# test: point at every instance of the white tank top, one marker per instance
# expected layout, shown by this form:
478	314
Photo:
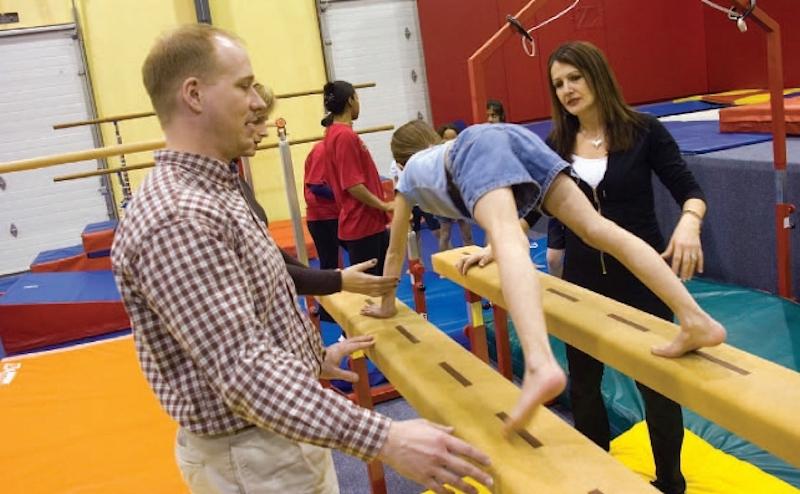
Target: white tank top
590	170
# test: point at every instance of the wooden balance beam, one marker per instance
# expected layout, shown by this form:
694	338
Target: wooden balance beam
749	396
447	384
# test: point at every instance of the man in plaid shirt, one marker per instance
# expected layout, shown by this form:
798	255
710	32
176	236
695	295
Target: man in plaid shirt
218	330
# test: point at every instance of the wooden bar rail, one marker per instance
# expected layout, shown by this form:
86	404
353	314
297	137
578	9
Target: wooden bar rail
76	156
132	116
150	164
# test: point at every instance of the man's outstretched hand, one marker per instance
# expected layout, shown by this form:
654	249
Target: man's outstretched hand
336	352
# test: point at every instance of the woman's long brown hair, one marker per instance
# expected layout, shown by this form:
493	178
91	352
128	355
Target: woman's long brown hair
621	122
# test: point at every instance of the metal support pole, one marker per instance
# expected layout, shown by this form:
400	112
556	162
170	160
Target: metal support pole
476	69
291	192
124	181
203	11
783	209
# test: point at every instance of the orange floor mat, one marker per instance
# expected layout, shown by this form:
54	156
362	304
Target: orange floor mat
283	233
83	420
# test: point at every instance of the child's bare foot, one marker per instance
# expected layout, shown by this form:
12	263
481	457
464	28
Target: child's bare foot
539	386
697	332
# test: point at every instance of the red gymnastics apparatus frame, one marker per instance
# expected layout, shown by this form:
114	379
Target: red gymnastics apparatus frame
783	210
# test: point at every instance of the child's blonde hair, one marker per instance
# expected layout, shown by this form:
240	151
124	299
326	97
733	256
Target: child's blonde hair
265	92
411	138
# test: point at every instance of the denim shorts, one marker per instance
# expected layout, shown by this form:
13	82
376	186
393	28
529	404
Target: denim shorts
492	156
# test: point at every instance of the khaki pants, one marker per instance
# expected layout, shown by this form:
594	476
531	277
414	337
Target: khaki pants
254	461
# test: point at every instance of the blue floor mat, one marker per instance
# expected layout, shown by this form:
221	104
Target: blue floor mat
667	108
703	136
698	137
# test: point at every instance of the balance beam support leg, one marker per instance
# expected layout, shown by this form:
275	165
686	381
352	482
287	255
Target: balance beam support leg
502	343
358	364
477	327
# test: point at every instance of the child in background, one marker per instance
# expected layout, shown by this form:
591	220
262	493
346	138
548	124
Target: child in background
448	132
495	113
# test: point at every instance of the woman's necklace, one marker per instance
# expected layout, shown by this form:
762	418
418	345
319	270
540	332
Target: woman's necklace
597	141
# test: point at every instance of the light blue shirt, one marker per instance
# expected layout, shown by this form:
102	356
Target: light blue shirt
423	182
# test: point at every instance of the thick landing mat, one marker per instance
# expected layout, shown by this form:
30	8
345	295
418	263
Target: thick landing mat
758	118
667	108
98	237
283	234
69	259
42	309
84	420
745	96
707	469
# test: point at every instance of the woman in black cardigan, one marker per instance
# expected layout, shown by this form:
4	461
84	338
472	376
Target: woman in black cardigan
614	151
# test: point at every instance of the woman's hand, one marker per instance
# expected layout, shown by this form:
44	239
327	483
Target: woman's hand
355	280
481	258
685	249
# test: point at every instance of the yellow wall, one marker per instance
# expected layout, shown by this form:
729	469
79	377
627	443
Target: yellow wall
34	13
283	39
117	35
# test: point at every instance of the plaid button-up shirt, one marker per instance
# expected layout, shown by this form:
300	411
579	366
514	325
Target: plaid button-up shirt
218	329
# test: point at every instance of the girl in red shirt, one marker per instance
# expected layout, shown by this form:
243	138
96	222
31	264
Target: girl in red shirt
354	179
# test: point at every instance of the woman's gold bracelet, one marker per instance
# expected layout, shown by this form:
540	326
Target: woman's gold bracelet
695	214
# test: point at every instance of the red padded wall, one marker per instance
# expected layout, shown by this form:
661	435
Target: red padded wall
659	49
451	31
656	48
739	60
585	22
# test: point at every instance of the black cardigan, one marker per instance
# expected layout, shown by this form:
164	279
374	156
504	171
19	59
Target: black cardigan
625	196
307	281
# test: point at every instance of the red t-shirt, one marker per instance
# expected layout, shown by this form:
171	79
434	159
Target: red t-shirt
349	164
317	208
